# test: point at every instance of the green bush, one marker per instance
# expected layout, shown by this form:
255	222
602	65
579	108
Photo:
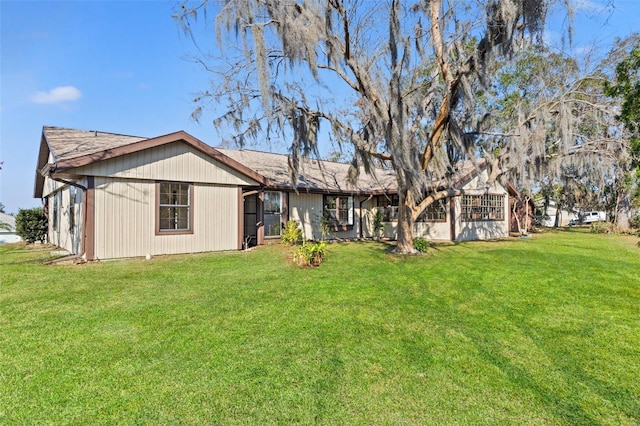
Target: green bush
327	225
291	233
420	244
378	225
635	222
310	254
31	225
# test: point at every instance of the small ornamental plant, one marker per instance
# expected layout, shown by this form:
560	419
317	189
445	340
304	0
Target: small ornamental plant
292	234
421	244
310	254
378	225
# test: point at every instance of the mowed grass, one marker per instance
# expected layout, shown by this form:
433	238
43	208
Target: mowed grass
540	331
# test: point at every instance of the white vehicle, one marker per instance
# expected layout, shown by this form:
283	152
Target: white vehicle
590	217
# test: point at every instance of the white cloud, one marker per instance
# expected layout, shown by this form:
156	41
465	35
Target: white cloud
57	95
589	6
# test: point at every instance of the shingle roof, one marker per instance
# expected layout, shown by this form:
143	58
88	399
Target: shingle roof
72	148
70	143
314	175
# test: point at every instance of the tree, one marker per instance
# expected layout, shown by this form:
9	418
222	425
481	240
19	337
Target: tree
412	74
626	88
2	208
31	224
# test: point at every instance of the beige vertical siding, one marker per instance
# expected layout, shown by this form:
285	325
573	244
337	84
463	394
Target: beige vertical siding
172	162
367	213
50	186
125	214
429	230
306	209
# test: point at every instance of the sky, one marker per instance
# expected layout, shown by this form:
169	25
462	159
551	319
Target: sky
123	67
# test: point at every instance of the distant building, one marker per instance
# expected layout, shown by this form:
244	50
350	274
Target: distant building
564	216
8	229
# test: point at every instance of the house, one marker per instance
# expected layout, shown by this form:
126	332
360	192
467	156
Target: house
113	196
554	216
8	229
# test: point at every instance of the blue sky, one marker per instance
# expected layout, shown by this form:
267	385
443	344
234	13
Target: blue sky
120	66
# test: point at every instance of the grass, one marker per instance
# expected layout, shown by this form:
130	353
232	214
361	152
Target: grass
540	331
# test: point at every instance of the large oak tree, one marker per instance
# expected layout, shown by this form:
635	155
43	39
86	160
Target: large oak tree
397	83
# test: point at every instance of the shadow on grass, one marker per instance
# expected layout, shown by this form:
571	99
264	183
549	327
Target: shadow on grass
24	254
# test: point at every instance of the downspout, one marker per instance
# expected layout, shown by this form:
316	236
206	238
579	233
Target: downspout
82	250
361	203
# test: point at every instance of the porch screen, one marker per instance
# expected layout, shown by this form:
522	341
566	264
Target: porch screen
482	207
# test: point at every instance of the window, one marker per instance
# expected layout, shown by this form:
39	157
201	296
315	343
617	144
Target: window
388	204
435	212
272	214
72	208
174	207
339	209
55	215
482	207
389	207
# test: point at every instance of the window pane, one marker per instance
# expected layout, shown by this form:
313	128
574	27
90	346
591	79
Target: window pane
174	218
272	202
340	209
483	207
272	226
434	212
174	194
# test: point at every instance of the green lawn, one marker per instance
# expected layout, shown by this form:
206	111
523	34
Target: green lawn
539	331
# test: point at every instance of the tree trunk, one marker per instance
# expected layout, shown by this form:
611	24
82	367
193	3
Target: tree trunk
514	210
405	222
623	211
558	216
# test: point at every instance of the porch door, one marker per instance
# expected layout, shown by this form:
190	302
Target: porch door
251	220
272	214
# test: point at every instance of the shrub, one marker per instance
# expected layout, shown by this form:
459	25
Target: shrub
420	244
327	225
31	225
378	224
635	222
291	234
310	254
604	228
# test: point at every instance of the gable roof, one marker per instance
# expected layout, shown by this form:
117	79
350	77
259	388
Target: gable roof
314	175
70	148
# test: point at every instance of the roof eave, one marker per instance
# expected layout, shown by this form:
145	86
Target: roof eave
43	160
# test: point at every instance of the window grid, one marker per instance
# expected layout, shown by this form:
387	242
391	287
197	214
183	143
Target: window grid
339	209
435	212
482	207
174	207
